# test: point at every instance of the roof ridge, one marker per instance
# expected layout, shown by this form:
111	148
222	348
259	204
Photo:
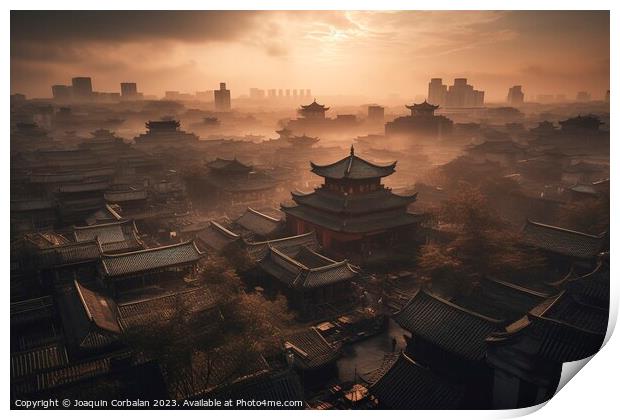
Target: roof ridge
517	287
459	308
102	225
258	213
292	260
225	231
84	305
561	229
141	251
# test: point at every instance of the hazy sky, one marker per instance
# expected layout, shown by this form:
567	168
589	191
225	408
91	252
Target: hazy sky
331	52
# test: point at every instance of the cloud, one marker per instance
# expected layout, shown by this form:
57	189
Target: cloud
118	26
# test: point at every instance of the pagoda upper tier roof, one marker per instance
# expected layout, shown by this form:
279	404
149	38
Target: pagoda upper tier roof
314	106
335	202
424	105
353	167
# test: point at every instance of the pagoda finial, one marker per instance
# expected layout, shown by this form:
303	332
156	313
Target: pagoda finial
352	150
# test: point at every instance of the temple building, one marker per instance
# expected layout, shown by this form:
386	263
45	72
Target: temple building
313	111
314	284
164	134
232	185
352	212
422	122
139	269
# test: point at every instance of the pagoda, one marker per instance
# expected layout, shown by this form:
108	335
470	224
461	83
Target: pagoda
313	111
352	212
422	121
424	109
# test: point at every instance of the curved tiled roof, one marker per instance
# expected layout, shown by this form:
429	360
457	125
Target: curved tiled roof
353	167
106	232
446	325
310	350
216	236
149	259
294	273
562	241
406	385
290	244
258	223
330	201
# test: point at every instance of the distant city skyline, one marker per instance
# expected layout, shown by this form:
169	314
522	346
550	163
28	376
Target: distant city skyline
371	54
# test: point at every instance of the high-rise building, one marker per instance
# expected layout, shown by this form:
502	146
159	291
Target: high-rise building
515	95
222	98
584	96
82	87
437	92
256	93
129	90
308	93
271	93
462	94
61	92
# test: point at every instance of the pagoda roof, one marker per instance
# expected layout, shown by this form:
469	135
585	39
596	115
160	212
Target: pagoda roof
258	223
353	167
310	350
288	269
229	165
371	222
422	106
380	200
448	326
562	241
314	106
150	259
406	385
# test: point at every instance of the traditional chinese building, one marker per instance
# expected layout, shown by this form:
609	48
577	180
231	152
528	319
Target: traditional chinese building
313	111
138	269
164	134
422	121
352	212
233	185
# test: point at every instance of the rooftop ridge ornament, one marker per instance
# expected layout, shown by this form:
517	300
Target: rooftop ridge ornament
352	150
